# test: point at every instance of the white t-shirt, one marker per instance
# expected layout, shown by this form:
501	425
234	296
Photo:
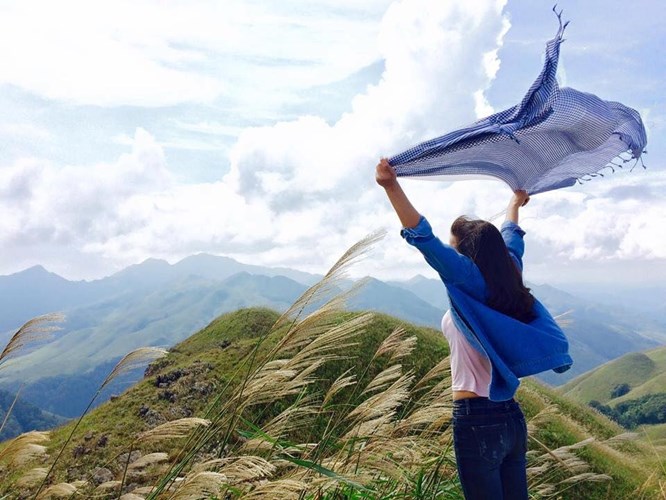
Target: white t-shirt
470	370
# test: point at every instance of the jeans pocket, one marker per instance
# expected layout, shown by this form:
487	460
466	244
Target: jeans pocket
491	441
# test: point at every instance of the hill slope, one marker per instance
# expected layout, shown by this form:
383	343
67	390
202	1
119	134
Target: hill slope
643	372
24	417
203	376
62	375
156	303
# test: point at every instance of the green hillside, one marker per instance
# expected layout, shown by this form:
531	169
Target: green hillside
107	330
23	416
655	435
333	405
643	372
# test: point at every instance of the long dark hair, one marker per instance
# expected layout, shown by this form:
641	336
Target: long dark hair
483	243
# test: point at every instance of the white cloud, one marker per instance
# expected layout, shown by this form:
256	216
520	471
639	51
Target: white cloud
96	54
25	131
69	206
619	217
158	53
436	57
300	192
209	128
434	53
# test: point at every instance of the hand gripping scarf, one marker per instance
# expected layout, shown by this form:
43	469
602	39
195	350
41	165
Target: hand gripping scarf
553	138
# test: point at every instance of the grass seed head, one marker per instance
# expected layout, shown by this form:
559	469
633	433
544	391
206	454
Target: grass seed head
134	359
172	430
284	489
150	459
25	447
340	383
383	379
397	345
33	332
199	485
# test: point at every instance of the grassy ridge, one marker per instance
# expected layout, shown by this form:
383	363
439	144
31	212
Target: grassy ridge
644	372
205	367
206	362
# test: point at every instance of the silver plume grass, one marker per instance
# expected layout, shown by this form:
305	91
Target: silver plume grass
240	468
25	447
397	345
587	476
441	369
621	438
200	485
295	417
134	359
333	340
338	384
334	275
384	403
172	430
284	489
33	332
280	378
312	327
383	379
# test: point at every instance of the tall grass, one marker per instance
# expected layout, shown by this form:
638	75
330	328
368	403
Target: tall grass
270	434
31	334
388	439
34	332
130	361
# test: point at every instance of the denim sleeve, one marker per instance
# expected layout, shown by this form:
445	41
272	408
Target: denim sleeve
451	266
513	238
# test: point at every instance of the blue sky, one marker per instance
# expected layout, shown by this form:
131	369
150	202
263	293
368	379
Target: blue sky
251	129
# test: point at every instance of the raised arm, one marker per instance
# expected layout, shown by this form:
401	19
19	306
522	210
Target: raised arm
386	178
511	231
519	199
451	266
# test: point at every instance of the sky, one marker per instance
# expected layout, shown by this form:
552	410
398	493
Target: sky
251	128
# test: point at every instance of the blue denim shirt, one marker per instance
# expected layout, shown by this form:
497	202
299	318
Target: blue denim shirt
515	349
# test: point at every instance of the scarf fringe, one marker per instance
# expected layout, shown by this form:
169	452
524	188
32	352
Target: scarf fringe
612	166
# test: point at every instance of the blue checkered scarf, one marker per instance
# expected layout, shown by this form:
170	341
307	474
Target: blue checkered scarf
553	138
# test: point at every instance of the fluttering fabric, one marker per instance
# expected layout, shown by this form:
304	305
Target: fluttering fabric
552	139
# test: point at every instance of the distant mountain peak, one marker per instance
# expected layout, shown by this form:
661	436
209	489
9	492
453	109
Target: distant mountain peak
152	261
419	278
35	270
205	257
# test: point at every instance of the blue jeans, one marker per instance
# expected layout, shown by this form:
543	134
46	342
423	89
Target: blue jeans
490	441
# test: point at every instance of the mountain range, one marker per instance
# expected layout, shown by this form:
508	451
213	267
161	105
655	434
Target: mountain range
158	304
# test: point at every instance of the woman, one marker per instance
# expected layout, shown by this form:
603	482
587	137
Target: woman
497	332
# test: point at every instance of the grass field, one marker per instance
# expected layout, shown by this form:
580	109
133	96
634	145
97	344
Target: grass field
330	405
